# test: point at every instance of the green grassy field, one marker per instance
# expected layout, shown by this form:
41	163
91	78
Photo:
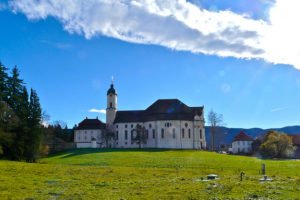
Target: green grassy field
147	174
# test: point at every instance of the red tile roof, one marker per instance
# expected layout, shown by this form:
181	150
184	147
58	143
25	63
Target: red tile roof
296	139
91	124
242	137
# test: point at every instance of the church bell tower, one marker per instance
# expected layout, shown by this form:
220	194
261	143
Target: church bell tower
111	109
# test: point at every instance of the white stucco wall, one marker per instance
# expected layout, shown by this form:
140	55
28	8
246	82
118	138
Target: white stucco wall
83	138
173	136
242	146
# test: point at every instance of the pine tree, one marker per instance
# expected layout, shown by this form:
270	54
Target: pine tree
23	132
35	109
3	82
20	117
35	116
17	99
8	124
15	90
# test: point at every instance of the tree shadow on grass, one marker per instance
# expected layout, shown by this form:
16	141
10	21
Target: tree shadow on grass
83	151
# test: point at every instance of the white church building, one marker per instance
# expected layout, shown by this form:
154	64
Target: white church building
242	143
168	123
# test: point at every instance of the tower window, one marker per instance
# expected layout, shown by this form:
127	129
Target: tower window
200	133
125	125
110	104
150	125
131	125
189	133
182	132
162	133
186	124
117	135
153	133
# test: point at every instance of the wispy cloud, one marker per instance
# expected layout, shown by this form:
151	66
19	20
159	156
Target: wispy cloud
278	109
3	6
58	45
226	88
179	25
101	111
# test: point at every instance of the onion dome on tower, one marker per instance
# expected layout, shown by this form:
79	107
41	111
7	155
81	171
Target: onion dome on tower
111	90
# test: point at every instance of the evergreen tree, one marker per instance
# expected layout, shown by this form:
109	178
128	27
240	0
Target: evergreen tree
15	90
8	124
20	117
3	82
23	131
35	117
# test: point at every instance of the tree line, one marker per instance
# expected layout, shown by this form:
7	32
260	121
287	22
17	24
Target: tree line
20	118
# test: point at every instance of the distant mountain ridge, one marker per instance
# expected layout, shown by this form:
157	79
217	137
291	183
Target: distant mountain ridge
227	134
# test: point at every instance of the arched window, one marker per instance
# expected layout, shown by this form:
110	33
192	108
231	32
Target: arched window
125	125
126	135
153	133
150	125
162	133
174	133
186	124
182	133
189	133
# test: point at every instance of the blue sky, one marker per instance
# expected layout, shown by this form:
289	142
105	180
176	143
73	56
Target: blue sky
70	63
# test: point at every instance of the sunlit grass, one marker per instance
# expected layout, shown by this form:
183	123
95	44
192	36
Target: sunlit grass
147	174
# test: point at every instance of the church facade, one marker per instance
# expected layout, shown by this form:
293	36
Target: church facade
167	123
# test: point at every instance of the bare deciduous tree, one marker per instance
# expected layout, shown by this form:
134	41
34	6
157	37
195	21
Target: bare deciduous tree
107	136
139	134
215	120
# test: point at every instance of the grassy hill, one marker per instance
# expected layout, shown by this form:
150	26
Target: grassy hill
147	174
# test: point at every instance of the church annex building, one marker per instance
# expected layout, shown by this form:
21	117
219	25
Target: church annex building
168	123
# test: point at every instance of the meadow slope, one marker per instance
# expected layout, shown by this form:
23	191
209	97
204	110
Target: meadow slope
147	174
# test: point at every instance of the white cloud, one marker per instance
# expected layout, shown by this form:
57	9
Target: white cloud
226	88
58	45
101	111
179	25
278	109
